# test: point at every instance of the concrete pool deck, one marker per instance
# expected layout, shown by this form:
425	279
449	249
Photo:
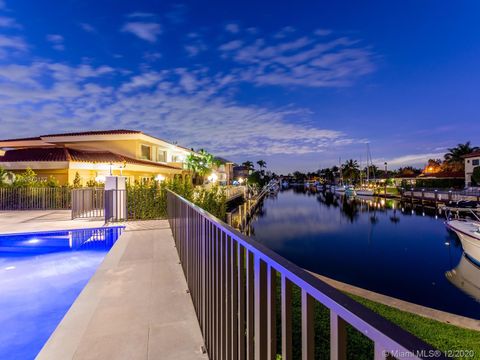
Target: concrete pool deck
43	220
135	306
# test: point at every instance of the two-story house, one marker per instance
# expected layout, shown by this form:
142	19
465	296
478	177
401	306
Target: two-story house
471	161
94	155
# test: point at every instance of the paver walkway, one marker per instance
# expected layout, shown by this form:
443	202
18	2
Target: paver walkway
134	307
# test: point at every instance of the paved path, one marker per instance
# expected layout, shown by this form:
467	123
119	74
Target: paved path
134	307
42	220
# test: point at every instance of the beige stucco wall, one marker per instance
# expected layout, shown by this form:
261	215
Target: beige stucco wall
469	169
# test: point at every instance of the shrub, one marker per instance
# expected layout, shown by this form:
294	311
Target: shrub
149	201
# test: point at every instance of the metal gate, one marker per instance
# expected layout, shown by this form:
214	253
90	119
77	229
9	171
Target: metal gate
88	203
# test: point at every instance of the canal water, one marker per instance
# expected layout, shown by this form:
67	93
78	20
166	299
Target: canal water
372	243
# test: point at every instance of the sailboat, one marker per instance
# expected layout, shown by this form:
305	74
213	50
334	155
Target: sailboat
364	189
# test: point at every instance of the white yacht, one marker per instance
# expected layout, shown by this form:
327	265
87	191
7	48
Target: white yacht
364	191
469	233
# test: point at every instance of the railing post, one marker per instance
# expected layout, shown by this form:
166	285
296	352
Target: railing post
338	337
272	313
308	330
261	315
286	318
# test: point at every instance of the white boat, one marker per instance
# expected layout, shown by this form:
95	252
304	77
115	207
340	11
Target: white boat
469	234
339	189
364	192
466	277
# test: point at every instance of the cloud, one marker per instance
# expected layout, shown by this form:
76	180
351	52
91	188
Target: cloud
147	31
11	45
231	45
140	14
7	22
178	104
232	28
411	159
300	61
87	27
57	41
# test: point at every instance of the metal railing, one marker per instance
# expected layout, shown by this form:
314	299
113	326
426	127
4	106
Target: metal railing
233	282
88	203
26	198
440	195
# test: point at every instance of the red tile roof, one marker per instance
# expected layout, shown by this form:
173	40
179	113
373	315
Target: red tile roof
473	154
64	154
34	154
444	175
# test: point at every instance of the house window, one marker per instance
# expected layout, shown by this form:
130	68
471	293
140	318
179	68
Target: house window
475	162
146	152
162	156
176	158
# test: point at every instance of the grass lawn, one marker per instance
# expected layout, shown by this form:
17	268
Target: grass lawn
442	336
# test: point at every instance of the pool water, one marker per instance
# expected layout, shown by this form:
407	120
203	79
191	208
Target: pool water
41	275
377	244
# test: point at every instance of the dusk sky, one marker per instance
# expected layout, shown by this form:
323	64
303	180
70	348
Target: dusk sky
298	84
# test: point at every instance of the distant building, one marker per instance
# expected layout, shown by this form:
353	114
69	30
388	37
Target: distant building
93	155
224	171
471	161
240	172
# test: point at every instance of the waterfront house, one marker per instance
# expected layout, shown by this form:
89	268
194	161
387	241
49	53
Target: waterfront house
223	168
241	172
94	155
471	162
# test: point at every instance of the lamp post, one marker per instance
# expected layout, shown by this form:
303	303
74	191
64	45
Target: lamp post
386	177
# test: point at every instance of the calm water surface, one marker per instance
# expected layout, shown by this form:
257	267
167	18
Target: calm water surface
41	275
373	244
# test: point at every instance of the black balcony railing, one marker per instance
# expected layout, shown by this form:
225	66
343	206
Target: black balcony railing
233	283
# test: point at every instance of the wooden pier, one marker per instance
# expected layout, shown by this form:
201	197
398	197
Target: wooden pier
437	197
240	217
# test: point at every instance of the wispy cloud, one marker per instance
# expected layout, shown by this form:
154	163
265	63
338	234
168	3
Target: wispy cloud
10	45
411	159
232	28
304	61
57	41
8	22
87	27
178	104
148	31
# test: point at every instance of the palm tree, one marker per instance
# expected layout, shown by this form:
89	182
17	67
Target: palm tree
262	164
350	169
248	165
455	155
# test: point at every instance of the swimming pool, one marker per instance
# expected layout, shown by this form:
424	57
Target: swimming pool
41	275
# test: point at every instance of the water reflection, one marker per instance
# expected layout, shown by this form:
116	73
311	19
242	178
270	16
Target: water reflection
466	277
374	243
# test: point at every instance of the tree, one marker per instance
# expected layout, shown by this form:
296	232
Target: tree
77	181
200	163
262	164
248	165
350	170
476	175
455	154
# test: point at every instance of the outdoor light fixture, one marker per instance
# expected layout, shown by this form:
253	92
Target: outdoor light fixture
159	178
100	178
213	177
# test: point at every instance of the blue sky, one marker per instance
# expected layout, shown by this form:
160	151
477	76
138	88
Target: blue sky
298	84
